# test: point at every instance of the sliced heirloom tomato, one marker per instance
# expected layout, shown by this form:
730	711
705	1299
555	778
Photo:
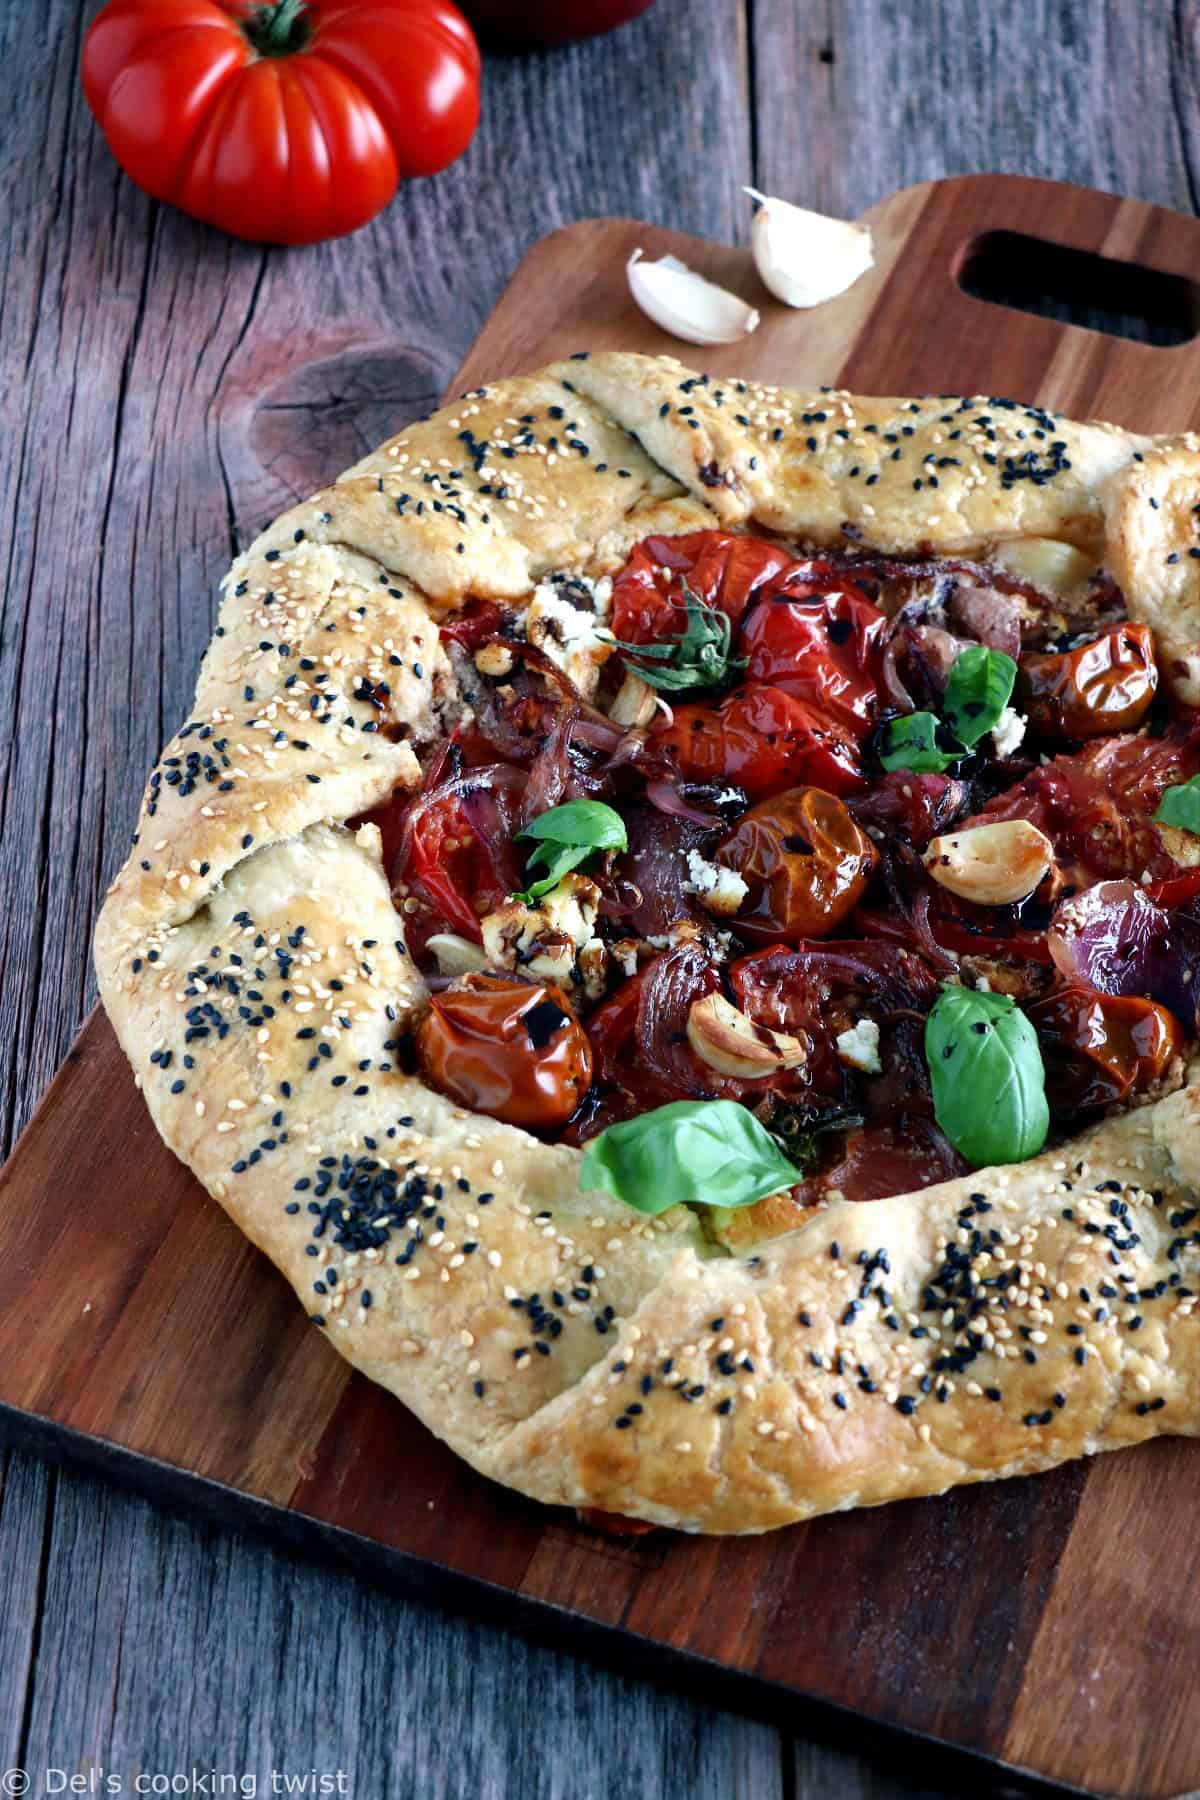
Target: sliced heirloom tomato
1103	686
1101	1049
820	641
1097	805
824	988
762	740
805	862
450	846
510	1048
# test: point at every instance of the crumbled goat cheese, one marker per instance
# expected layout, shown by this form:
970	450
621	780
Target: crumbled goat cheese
568	636
553	940
1008	731
860	1047
721	890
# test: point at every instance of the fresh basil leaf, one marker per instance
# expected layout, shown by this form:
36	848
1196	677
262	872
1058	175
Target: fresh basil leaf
558	860
989	1084
700	657
911	742
1181	806
588	824
567	835
978	690
705	1152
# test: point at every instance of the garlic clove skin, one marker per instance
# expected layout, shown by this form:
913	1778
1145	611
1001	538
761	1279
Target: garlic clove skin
685	304
806	258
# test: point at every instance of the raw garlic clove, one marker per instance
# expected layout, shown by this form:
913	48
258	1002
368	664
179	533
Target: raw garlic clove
685	304
805	257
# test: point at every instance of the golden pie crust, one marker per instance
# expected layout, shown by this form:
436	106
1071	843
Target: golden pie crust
254	967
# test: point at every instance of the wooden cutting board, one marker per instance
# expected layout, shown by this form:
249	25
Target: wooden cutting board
1051	1625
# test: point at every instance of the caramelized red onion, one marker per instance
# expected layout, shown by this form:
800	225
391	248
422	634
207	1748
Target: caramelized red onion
656	864
670	986
991	617
1115	939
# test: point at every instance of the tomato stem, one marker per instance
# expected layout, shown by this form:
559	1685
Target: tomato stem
278	29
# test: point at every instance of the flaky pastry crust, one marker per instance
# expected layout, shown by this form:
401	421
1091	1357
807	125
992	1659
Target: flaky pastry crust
254	967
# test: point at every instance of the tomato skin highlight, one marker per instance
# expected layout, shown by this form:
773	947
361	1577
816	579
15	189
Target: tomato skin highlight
287	144
806	862
512	1049
1101	687
760	739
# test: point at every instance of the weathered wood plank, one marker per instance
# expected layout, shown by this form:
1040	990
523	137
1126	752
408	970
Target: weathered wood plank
184	1647
855	98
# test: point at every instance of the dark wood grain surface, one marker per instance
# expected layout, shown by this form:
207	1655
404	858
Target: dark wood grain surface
162	393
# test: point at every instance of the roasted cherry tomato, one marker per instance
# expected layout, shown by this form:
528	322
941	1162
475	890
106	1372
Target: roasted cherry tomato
719	567
1099	1049
819	641
883	1160
1100	687
509	1048
805	862
286	121
761	739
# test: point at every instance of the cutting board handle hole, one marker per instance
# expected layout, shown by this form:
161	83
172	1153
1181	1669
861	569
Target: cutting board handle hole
1079	287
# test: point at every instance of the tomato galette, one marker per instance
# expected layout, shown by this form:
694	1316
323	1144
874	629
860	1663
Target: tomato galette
674	922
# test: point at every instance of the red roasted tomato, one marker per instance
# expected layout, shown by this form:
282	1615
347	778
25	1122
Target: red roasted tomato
284	122
1100	1049
1103	686
720	568
760	739
819	641
510	1048
805	861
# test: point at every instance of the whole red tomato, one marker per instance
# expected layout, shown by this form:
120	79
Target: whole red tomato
761	739
720	568
550	21
819	641
288	122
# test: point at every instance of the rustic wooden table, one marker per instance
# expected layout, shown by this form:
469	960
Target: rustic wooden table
164	392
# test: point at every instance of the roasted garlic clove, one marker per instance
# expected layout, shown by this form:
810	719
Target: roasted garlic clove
991	864
634	703
685	304
729	1042
456	955
804	257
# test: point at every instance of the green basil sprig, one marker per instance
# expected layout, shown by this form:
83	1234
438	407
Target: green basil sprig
566	836
1181	806
911	742
979	688
713	1152
699	657
989	1084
